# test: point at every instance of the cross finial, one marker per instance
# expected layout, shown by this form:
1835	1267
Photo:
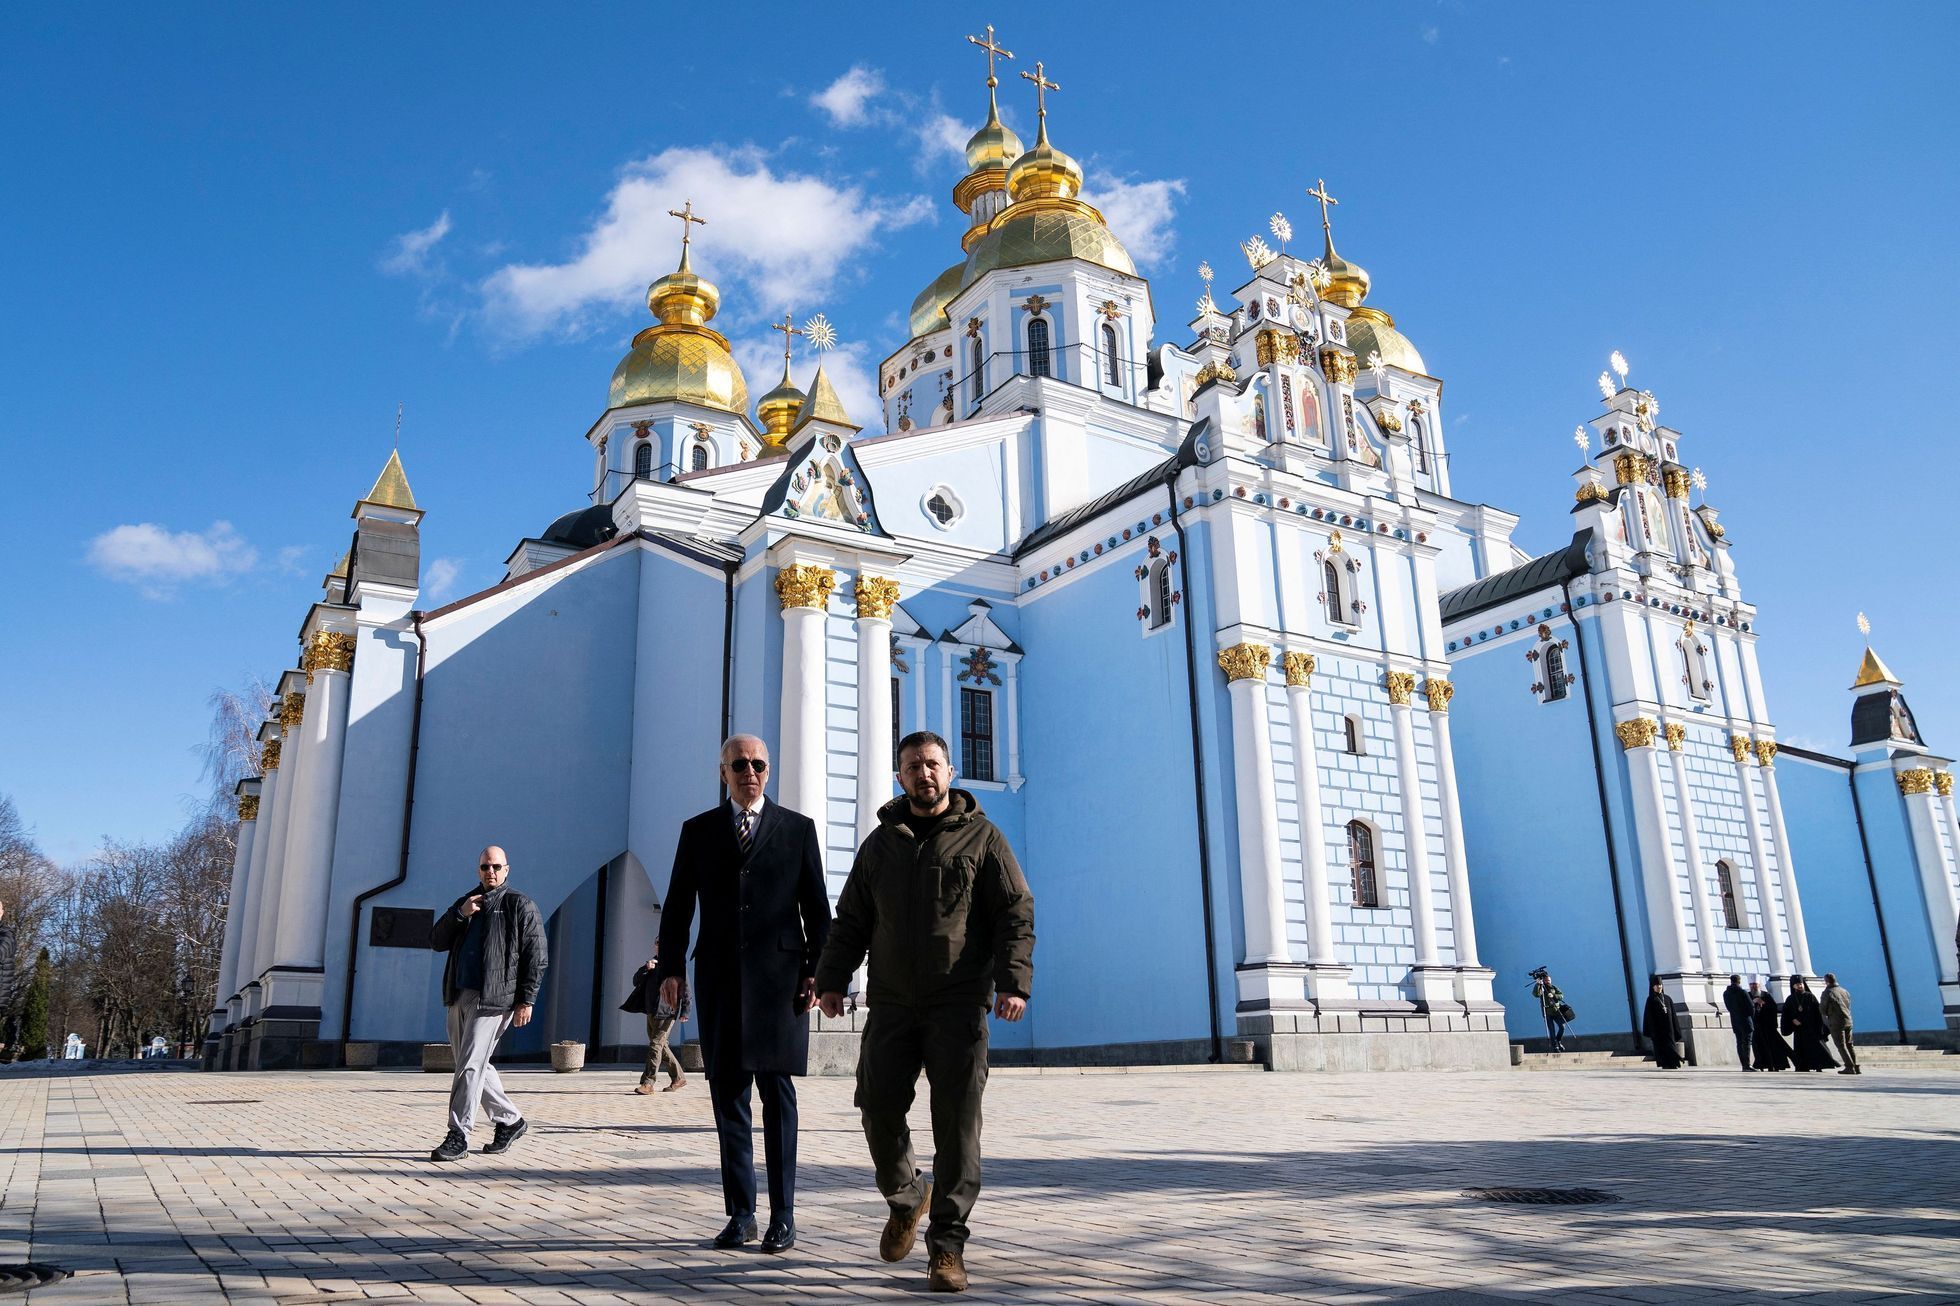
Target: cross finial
993	50
790	331
686	214
1319	192
398	426
1041	88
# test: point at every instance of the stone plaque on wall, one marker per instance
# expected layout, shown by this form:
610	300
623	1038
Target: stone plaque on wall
400	927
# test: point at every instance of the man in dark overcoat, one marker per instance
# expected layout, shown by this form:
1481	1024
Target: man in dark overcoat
756	870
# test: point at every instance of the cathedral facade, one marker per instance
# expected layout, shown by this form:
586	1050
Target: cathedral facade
1193	608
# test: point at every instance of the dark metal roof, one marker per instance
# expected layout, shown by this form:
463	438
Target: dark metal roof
1538	574
581	528
1102	503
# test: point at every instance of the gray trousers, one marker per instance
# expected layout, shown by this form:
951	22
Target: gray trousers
1841	1039
472	1038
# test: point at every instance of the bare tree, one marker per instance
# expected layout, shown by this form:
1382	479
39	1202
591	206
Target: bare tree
30	889
231	750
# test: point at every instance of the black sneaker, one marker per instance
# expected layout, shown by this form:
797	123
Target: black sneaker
506	1135
454	1147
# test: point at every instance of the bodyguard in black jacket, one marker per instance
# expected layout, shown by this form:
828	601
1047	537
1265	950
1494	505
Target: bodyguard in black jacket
756	870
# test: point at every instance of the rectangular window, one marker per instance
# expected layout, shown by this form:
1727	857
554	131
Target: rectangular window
976	734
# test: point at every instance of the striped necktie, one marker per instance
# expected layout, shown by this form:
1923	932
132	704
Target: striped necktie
744	831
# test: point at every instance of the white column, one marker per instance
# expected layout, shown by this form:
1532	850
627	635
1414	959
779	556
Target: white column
1786	865
246	907
1313	828
1744	753
805	595
1942	909
1463	922
306	885
1415	830
1262	898
271	842
295	822
1010	673
241	867
875	597
1691	849
1656	862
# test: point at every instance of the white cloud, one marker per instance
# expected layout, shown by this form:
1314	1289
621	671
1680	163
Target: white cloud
850	367
1139	212
291	560
942	133
782	238
157	560
439	579
409	255
848	99
1431	33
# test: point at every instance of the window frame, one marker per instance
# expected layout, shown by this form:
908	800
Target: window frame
1112	373
1364	854
971	698
1039	362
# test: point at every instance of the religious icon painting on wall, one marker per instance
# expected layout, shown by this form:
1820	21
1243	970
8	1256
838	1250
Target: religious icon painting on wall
1310	424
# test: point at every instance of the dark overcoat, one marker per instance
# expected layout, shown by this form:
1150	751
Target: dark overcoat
764	918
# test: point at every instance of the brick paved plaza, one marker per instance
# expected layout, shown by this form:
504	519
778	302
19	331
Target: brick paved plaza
1168	1186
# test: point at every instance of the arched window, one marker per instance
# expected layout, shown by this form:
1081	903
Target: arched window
1731	905
1416	443
697	458
1355	740
1038	347
1160	595
1555	686
1109	354
1330	580
979	370
1691	670
643	461
1361	864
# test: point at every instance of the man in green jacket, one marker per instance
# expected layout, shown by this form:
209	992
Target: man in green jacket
937	899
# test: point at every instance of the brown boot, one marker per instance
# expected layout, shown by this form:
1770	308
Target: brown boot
946	1272
645	1087
679	1081
902	1229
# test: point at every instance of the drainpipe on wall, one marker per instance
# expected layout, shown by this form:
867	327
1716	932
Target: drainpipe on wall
1197	767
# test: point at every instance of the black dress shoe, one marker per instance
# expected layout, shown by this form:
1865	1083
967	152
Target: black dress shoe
782	1234
739	1229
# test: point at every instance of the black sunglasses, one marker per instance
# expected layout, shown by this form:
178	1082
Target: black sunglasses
490	866
754	764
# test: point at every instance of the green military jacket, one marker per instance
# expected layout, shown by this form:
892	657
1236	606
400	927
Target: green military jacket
946	922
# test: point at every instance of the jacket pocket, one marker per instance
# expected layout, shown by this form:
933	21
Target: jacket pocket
955	886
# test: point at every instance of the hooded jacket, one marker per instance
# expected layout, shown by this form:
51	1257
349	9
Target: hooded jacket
946	922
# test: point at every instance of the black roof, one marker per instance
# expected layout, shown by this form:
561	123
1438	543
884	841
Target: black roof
1102	503
582	528
1532	576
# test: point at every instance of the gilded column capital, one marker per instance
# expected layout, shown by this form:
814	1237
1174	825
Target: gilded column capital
329	650
1675	481
1591	492
1740	748
269	757
1631	468
1943	783
1245	661
292	709
803	586
1401	687
1765	752
1676	733
1338	364
1440	693
1299	668
248	807
1919	781
1275	346
875	596
1638	732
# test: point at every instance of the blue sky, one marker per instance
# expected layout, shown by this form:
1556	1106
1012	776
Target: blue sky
234	237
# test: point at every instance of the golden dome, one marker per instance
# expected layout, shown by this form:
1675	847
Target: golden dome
929	309
994	146
680	358
1347	283
778	411
1044	172
1043	232
1369	330
824	405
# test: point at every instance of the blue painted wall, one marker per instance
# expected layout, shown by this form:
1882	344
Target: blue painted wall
1916	953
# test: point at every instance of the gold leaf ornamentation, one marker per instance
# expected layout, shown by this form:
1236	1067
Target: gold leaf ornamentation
1765	752
1919	781
329	650
802	586
1245	661
1637	733
292	710
1675	479
248	807
1299	668
1739	747
875	596
269	757
1338	364
1677	734
1943	783
1440	693
1401	687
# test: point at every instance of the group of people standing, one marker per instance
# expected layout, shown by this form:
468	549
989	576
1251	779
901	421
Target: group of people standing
1768	1036
935	901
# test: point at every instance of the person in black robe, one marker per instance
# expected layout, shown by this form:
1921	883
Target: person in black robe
1803	1021
1772	1053
1658	1026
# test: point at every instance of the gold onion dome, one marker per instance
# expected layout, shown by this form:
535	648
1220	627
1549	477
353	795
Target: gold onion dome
994	146
1347	283
778	410
1370	330
1045	222
929	309
680	358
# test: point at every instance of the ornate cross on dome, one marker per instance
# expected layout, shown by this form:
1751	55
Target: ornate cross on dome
1319	192
992	50
1041	88
686	214
790	331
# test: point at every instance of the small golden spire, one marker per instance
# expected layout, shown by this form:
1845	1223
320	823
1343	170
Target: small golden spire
391	487
1347	283
686	214
790	331
993	50
1041	88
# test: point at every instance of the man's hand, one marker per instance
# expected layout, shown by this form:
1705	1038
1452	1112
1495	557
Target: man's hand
670	992
471	906
831	1004
521	1016
1009	1007
806	994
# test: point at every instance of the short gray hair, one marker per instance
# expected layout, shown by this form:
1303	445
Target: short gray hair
733	740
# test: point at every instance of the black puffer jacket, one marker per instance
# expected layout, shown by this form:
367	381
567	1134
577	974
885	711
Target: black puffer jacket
514	951
946	922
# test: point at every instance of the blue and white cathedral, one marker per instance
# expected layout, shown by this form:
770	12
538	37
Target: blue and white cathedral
1304	760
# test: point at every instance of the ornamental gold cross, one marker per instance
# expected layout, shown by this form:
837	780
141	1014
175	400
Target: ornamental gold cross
1319	192
1041	88
686	214
790	331
992	50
